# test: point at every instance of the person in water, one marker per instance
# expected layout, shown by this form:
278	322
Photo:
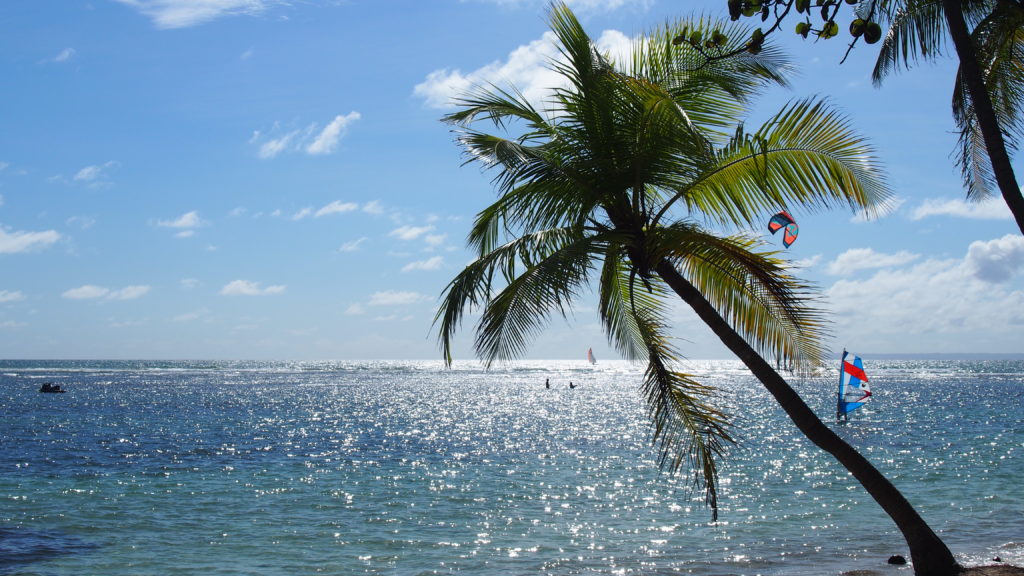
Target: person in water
571	385
547	382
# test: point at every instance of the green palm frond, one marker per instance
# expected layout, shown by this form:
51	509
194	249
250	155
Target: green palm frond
688	429
711	91
1003	53
475	286
807	154
752	290
552	202
999	42
917	30
971	153
548	284
501	107
620	295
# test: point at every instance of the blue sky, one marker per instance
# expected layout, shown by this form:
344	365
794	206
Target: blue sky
269	179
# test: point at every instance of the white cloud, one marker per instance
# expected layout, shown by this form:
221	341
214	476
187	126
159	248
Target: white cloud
373	207
312	140
355	310
435	240
190	316
807	263
392	318
275	146
8	296
186	220
410	232
87	292
93	292
167	14
352	246
17	242
858	259
527	67
83	222
337	207
996	260
93	174
128	323
429	264
396	298
302	213
63	56
247	288
189	283
991	209
921	307
327	140
129	293
88	173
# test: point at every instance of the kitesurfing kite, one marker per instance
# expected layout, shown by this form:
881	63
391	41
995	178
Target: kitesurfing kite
784	220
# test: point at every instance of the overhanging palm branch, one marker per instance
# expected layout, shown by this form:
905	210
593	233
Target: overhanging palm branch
989	41
999	42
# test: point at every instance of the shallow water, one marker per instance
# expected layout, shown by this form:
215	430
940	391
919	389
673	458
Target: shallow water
406	468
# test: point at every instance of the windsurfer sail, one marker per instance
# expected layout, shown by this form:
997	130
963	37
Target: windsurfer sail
854	389
590	356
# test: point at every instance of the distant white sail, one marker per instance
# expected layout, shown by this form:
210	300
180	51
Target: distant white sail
590	356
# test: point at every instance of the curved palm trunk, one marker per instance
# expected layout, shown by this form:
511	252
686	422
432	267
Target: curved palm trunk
929	554
974	80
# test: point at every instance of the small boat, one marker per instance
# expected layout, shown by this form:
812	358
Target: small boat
590	356
854	389
51	388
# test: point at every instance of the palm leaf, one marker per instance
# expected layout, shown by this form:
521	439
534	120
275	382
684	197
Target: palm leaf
548	283
750	288
476	284
999	42
688	429
619	296
806	154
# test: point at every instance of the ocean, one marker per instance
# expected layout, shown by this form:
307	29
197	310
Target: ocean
407	468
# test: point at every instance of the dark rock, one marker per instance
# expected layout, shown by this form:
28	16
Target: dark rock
897	559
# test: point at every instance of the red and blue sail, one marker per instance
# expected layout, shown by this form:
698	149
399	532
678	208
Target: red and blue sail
854	389
783	221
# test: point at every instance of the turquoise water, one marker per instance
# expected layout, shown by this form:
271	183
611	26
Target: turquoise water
406	468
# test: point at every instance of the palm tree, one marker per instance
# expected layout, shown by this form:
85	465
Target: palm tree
988	36
629	179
